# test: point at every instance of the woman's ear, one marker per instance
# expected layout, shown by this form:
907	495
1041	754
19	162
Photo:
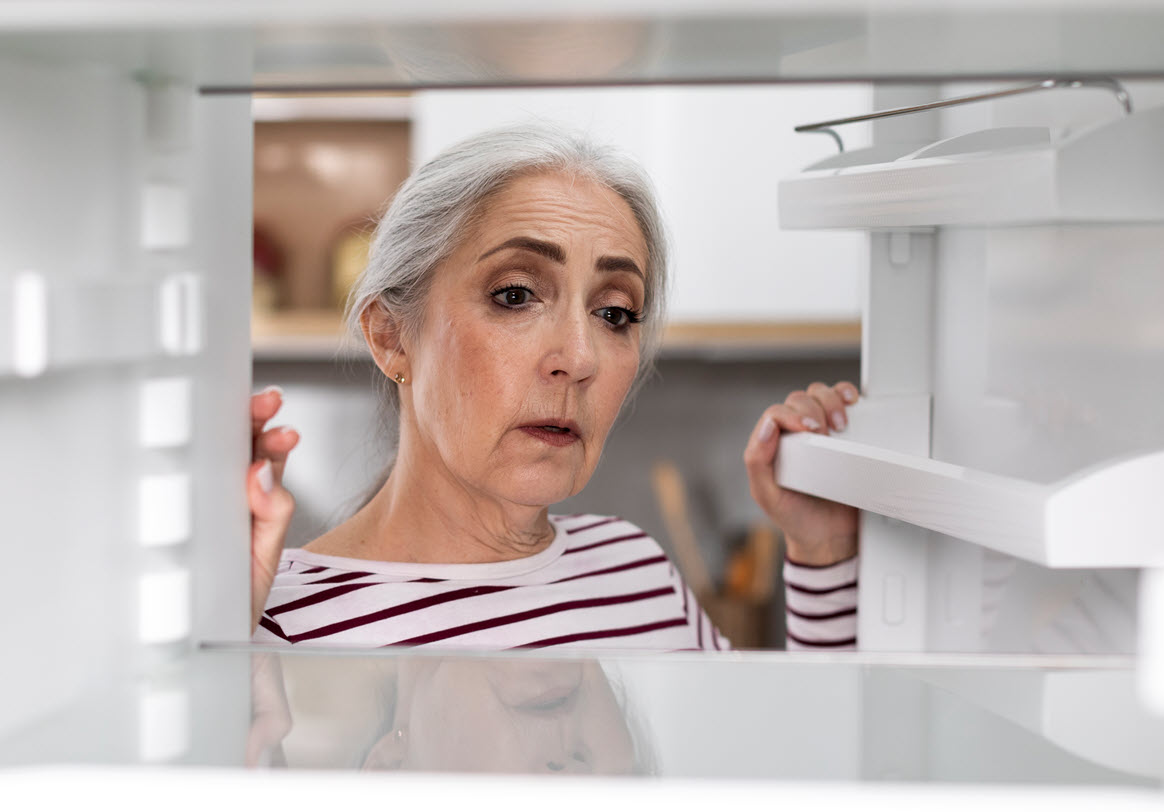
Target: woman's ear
382	333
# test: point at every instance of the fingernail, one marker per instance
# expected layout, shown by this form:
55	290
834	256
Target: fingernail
809	423
849	395
273	388
266	477
839	421
767	429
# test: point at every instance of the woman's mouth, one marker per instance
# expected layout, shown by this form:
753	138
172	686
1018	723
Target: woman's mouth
554	434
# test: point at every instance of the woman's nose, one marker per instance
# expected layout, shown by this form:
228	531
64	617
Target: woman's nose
571	354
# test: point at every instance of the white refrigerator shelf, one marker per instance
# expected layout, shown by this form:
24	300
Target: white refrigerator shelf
1105	516
1108	172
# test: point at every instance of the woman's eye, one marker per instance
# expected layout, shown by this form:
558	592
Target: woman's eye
512	297
618	316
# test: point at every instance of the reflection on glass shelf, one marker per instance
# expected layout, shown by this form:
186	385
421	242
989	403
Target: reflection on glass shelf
826	718
320	335
713	718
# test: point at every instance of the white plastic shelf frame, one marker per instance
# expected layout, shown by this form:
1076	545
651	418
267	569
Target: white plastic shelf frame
1108	172
1056	525
940	203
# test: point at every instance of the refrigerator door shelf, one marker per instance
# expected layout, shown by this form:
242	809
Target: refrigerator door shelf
61	323
1106	516
1107	173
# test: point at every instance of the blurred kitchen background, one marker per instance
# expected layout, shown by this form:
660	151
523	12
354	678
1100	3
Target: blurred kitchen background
754	312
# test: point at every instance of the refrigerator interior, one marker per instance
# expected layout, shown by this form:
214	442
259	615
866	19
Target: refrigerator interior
1002	353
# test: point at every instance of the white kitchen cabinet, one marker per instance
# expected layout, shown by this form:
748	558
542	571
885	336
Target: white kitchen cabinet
705	149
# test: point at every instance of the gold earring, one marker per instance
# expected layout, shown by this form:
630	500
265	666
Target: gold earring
398	377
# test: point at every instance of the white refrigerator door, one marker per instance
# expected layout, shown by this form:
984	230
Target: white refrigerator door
124	369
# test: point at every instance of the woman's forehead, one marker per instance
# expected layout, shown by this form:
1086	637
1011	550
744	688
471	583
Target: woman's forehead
560	207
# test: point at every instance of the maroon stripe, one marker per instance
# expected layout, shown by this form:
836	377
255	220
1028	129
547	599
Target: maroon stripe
395	611
848	641
314	598
273	627
607	520
605	633
427	580
819	566
339	579
824	616
807	590
530	614
644	562
614	540
312	570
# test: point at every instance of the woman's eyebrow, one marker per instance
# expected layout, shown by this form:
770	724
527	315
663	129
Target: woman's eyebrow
549	250
620	264
553	251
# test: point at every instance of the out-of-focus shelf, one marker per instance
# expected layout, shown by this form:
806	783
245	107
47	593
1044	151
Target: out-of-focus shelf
320	335
1104	516
742	340
367	107
303	335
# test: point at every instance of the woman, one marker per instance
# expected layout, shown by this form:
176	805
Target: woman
513	297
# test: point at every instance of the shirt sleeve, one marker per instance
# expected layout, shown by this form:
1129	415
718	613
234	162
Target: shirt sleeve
821	606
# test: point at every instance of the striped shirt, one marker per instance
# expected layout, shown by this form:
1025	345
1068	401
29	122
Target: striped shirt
820	604
602	583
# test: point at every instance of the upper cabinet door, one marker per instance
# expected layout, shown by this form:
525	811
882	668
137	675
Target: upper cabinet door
715	155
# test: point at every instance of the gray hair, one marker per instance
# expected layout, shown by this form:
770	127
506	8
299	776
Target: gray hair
435	207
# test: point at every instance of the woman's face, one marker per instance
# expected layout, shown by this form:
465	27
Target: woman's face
530	340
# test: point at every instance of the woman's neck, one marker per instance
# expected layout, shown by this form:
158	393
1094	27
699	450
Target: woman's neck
424	514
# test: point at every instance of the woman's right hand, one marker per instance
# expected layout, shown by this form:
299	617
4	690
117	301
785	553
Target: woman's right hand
817	532
271	504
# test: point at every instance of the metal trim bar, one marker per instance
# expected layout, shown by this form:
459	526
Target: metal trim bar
1111	85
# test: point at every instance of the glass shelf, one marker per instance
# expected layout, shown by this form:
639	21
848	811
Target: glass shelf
933	719
354	44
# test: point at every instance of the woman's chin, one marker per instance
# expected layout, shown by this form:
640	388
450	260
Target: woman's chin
543	488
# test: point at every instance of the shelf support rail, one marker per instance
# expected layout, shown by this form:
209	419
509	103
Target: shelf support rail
1112	85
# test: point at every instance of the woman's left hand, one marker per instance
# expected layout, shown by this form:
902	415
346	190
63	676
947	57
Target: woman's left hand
817	532
271	504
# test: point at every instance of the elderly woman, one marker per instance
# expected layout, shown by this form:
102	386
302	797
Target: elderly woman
513	297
